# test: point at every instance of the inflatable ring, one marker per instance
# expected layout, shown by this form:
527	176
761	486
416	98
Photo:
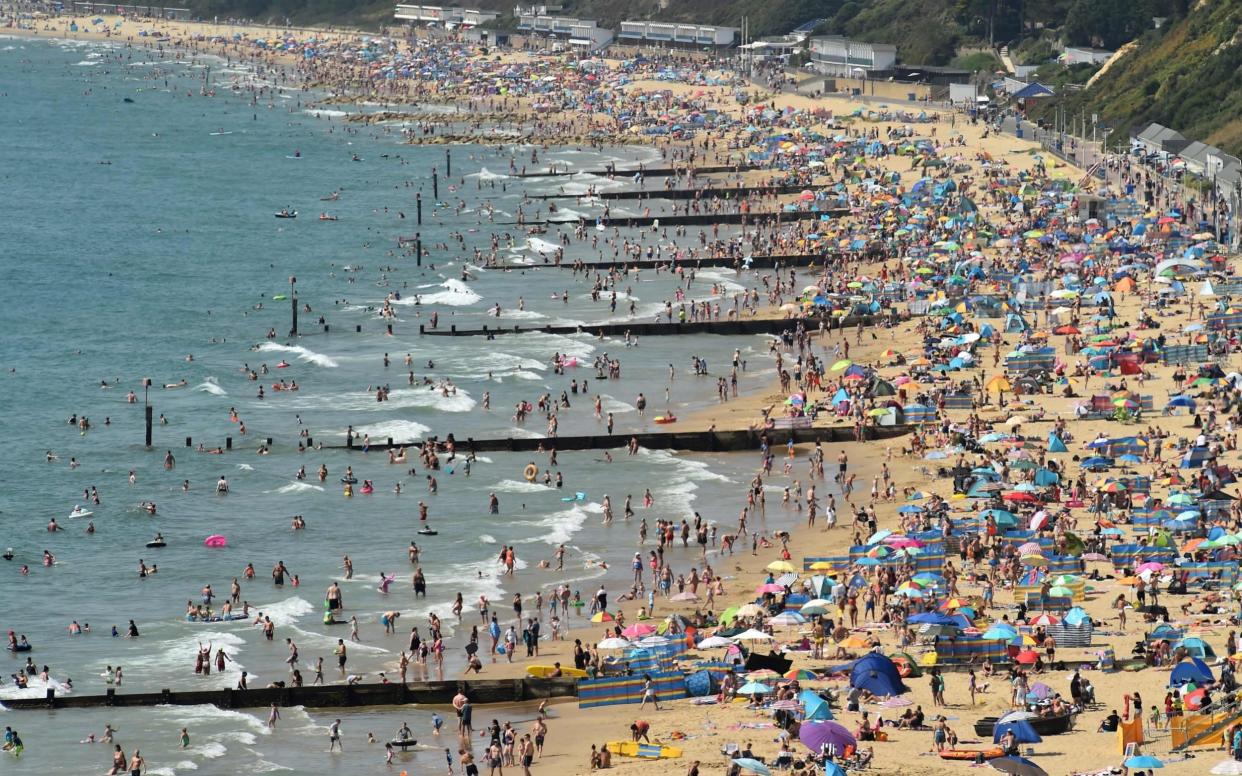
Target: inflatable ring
531	472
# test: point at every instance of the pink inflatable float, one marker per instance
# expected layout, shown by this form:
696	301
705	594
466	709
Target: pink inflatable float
216	540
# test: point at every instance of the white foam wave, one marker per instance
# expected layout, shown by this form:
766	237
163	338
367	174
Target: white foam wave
542	246
211	386
456	294
487	538
519	486
485	174
399	398
286	611
325	113
517	315
298	487
560	527
398	430
303	354
687	467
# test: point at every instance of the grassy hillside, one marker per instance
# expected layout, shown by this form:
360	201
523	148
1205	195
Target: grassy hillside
1187	75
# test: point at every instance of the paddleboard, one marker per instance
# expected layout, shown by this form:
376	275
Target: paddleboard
544	672
636	749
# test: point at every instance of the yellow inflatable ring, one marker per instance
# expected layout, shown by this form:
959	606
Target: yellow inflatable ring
531	472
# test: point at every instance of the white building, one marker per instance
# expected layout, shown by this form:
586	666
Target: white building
674	34
834	55
585	33
1080	55
436	14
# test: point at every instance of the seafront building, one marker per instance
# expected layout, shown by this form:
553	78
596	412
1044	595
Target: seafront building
835	55
673	34
581	33
437	14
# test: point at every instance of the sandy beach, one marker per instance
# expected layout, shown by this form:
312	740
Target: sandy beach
938	276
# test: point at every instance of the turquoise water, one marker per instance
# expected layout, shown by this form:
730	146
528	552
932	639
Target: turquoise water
141	233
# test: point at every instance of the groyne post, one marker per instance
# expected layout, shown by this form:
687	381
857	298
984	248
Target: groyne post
418	202
448	163
435	184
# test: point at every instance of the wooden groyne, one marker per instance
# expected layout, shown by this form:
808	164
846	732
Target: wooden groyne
715	192
695	219
648	172
695	441
744	326
479	691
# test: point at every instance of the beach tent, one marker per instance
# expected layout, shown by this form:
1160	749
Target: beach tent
1193	670
701	683
1197	648
878	675
816	707
1014	324
1055	445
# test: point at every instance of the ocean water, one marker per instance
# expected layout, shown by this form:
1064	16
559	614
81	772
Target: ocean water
139	234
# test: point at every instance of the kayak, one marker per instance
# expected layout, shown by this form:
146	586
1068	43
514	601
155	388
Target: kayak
662	419
157	544
635	749
80	512
403	744
286	214
579	496
217	618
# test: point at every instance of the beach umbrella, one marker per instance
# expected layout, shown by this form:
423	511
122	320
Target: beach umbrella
801	674
754	688
818	603
1044	619
638	630
1022	730
613	643
769	587
1060	591
714	642
749	610
752	765
999	632
781	566
817	735
1017	766
879	536
753	635
842	364
1015	716
602	617
1143	761
787	619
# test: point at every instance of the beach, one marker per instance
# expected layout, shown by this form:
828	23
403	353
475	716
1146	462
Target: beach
188	280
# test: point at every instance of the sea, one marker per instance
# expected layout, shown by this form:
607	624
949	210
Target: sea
140	244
